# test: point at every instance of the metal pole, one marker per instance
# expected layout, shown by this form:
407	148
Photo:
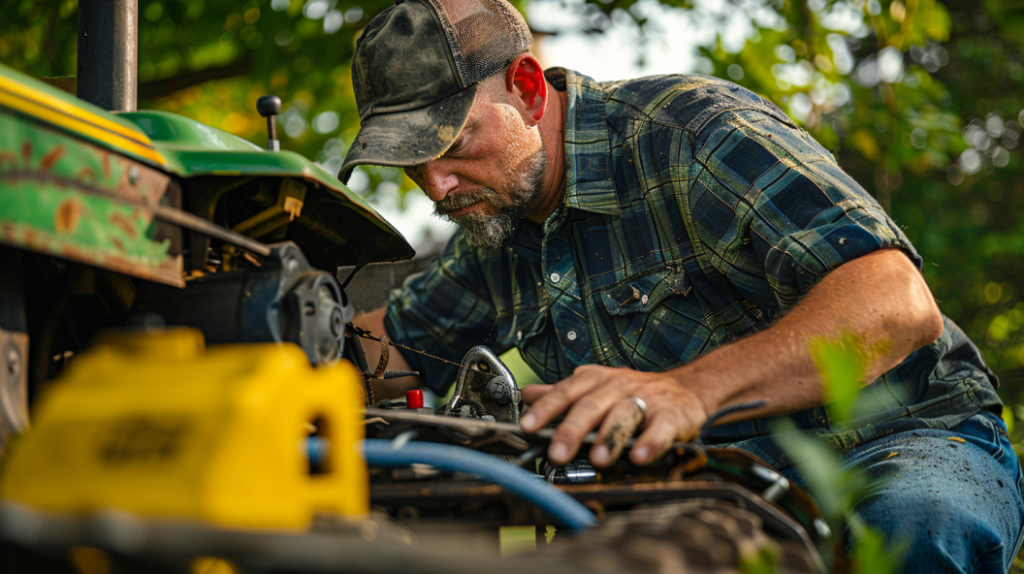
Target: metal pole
108	53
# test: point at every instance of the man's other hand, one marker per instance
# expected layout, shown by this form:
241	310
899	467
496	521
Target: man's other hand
597	397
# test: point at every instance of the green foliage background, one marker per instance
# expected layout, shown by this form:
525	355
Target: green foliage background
920	100
936	140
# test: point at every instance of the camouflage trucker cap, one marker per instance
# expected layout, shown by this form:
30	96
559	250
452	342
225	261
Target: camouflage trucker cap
415	71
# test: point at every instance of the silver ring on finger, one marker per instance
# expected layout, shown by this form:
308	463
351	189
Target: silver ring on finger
640	405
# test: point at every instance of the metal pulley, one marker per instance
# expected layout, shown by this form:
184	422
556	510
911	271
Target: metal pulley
284	299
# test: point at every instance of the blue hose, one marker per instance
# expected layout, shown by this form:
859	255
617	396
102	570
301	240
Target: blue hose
564	508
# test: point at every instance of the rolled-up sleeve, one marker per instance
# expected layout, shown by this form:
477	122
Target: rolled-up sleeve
444	311
775	213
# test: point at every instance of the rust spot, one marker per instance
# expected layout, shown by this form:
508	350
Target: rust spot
105	157
124	224
117	243
8	157
86	175
26	152
69	213
168	272
50	158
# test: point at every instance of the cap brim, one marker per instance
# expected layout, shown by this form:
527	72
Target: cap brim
405	139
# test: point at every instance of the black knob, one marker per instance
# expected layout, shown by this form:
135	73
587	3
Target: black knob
268	106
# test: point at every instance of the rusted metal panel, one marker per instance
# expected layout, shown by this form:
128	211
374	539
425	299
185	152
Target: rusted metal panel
64	197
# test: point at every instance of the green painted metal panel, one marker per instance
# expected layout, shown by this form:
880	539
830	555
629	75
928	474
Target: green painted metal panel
44	88
174	133
67	198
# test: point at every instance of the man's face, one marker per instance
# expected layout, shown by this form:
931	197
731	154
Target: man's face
492	173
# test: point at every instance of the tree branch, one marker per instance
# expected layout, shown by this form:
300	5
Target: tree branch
167	86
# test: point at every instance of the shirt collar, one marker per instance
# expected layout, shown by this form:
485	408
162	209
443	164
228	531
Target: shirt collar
589	184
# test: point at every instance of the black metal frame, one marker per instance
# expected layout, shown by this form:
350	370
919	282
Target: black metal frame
108	53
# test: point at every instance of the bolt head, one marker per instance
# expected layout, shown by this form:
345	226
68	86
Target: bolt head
822	529
498	388
13	363
336	322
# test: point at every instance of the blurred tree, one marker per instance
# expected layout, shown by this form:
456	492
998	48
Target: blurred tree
920	101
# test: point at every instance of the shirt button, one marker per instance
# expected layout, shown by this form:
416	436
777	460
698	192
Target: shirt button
555	277
643	300
571	335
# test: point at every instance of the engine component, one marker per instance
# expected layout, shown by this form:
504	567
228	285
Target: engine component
13	348
13	384
560	505
575	472
151	423
700	535
282	299
414	399
485	388
291	196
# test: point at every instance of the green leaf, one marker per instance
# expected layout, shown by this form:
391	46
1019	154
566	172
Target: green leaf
840	364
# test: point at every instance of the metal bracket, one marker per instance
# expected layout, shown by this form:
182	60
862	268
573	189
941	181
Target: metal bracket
485	388
290	199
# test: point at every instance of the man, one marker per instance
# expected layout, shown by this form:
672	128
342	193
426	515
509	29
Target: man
667	247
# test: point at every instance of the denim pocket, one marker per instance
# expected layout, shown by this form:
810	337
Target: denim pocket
988	432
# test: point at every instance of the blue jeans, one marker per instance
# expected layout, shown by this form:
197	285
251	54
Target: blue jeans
956	505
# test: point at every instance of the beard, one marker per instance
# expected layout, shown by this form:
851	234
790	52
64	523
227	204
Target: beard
509	207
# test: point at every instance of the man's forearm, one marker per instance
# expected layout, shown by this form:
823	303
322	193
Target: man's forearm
879	298
373	322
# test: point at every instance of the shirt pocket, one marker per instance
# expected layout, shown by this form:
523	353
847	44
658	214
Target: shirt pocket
657	321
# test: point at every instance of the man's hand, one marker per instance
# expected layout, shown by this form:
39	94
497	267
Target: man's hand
597	396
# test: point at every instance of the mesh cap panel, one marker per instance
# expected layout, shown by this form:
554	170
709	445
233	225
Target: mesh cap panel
483	35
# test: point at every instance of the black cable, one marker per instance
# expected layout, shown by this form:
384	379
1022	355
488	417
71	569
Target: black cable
706	429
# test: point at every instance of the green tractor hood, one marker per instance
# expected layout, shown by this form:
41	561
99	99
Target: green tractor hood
216	173
193	150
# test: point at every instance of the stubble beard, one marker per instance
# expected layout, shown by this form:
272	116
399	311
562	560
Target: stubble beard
491	230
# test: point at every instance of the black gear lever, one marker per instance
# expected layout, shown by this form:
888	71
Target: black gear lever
268	107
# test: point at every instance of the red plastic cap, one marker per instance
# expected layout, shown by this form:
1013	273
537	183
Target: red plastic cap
414	399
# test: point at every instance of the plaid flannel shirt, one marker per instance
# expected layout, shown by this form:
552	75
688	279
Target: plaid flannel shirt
694	214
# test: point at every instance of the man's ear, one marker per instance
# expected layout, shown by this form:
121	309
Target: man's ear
527	88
